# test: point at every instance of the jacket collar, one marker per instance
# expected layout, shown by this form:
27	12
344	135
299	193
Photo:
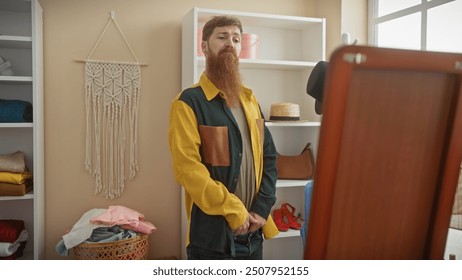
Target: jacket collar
211	91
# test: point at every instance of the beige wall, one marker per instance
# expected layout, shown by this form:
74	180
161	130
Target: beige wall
354	20
153	29
343	16
331	10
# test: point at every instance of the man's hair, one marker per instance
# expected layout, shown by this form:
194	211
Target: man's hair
219	21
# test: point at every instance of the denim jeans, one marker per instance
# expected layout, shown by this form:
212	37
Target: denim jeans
247	247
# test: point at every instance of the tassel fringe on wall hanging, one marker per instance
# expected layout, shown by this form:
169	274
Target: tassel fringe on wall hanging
112	94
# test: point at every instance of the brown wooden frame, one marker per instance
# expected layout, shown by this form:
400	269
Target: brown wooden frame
389	153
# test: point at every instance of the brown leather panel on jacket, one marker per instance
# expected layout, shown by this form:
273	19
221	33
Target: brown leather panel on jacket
215	145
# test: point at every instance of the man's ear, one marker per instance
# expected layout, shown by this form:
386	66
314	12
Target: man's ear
204	47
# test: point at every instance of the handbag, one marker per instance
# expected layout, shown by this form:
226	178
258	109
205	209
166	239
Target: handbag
299	167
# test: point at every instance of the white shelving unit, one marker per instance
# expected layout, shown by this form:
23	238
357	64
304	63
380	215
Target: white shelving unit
21	44
288	49
290	138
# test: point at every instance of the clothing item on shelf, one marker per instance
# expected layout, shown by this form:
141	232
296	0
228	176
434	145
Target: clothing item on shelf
12	111
15	178
7	189
285	112
14	162
9	248
13	238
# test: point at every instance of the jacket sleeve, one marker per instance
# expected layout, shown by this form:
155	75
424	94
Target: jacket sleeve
266	196
211	196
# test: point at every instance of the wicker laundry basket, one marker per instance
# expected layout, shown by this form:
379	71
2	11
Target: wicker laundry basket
135	248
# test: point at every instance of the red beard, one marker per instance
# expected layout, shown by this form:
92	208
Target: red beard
223	71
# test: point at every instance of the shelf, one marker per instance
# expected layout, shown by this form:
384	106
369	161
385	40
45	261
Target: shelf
268	64
289	233
21	42
16	6
292	123
23	197
16	125
16	79
263	20
291	183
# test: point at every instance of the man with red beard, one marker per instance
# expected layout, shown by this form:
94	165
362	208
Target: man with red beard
223	154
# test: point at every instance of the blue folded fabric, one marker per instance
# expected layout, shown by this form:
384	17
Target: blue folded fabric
15	111
308	194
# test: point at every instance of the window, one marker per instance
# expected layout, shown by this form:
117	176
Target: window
433	25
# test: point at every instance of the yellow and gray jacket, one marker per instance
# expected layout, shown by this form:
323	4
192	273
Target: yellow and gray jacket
206	148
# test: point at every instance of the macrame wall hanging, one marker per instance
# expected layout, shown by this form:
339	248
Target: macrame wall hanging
112	94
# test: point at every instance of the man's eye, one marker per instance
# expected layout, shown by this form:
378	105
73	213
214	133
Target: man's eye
237	40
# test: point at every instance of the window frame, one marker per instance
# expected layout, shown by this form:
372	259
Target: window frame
374	20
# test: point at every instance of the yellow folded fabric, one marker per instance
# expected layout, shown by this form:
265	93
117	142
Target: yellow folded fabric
15	178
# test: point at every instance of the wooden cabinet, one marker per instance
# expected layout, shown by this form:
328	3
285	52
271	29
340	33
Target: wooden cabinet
21	44
288	47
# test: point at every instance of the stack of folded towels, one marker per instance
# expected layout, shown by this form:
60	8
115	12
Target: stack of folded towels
15	179
13	239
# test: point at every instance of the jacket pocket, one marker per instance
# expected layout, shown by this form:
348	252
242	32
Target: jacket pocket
215	145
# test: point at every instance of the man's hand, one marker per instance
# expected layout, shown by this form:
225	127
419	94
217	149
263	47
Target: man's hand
244	228
252	223
256	222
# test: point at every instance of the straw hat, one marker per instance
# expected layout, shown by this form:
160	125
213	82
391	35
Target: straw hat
285	112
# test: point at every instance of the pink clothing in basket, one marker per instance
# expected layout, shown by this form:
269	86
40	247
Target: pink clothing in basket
126	218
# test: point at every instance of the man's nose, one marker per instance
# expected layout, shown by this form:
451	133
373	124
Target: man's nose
230	42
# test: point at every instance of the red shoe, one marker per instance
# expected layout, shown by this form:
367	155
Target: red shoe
288	211
278	217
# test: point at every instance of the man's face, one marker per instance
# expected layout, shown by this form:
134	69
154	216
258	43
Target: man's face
221	38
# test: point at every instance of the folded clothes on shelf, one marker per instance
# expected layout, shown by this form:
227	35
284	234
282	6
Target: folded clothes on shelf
13	239
15	178
15	111
14	162
7	189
